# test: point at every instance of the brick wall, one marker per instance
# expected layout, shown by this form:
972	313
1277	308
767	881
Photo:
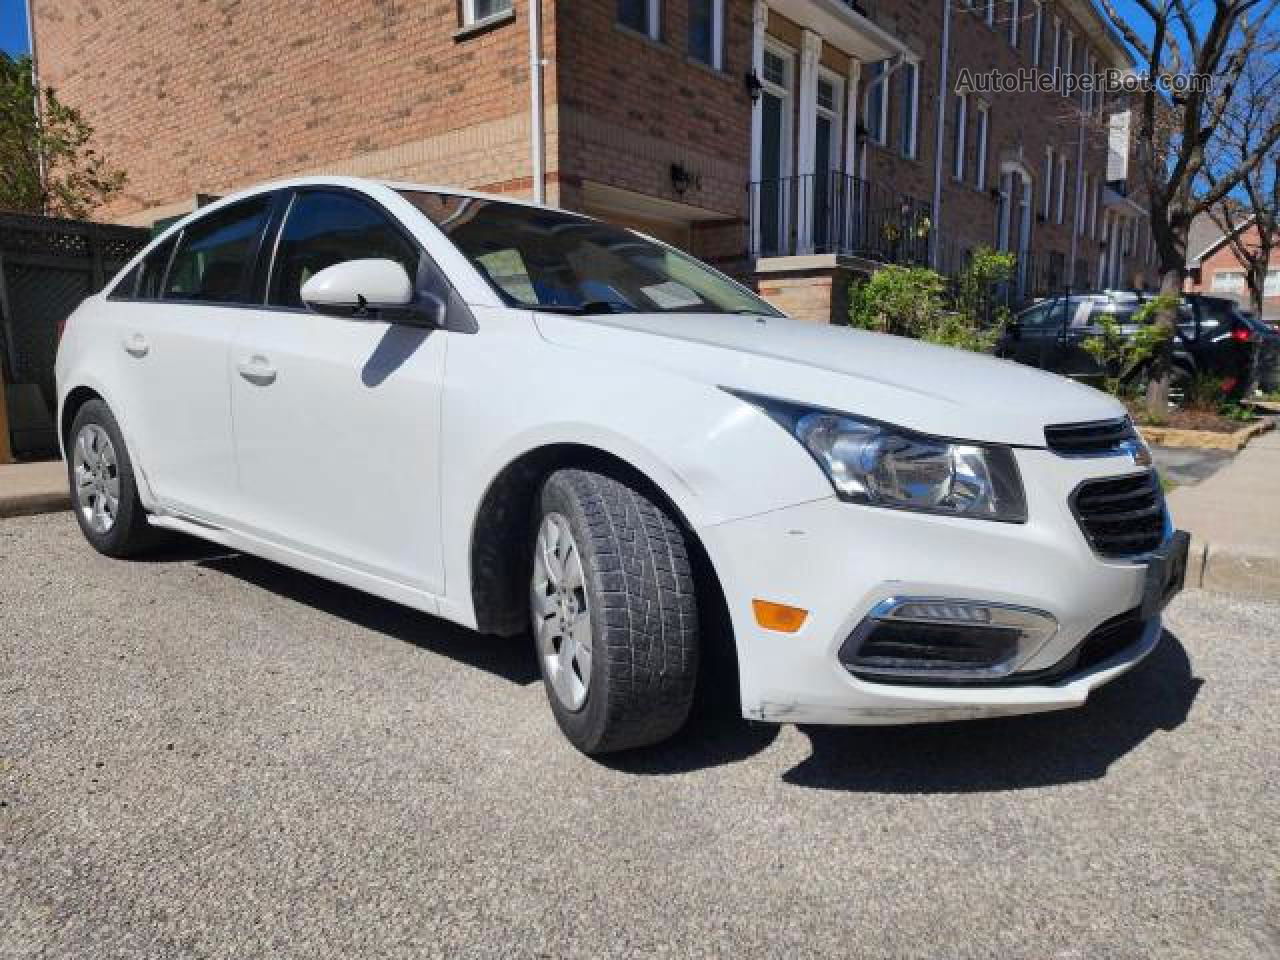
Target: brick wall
1224	259
200	97
193	97
1021	124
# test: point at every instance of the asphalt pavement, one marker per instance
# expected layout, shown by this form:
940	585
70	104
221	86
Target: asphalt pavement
206	755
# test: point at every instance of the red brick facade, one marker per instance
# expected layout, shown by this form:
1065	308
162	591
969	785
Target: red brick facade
1220	273
204	98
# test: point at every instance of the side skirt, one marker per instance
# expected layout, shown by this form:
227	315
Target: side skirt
296	559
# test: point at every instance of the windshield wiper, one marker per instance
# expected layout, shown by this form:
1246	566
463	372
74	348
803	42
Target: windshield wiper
589	308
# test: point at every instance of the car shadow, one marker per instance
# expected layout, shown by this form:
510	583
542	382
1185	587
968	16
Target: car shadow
1007	753
511	658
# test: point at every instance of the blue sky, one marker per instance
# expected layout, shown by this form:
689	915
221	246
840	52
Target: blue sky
13	26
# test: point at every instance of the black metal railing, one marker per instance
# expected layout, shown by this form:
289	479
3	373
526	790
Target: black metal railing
845	215
837	213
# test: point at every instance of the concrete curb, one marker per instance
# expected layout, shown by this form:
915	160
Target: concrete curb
28	504
27	488
1226	570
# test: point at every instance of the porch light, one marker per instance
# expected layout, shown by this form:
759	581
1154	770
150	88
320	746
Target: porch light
753	84
681	178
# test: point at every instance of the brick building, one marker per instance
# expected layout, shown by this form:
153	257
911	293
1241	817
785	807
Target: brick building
790	141
1215	269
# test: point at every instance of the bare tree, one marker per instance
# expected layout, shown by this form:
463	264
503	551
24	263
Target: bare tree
1178	51
1250	215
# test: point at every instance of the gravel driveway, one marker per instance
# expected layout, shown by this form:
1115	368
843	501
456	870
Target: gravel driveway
206	755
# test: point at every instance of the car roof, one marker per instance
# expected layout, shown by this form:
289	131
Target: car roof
363	183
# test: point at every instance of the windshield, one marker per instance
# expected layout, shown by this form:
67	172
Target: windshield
550	260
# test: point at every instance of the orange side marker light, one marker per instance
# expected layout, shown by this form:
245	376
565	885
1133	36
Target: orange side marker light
778	616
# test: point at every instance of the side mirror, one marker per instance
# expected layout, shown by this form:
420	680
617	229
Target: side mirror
375	289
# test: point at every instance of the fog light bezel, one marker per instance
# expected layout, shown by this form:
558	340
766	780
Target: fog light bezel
1036	629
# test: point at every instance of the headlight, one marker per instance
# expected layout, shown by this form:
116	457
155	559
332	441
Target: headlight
878	464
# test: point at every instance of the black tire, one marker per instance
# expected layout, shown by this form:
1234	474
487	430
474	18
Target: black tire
640	592
130	534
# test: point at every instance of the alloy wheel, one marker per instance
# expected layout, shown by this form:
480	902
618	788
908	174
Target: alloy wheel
561	616
97	478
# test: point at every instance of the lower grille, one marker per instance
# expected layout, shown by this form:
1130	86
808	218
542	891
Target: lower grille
1121	516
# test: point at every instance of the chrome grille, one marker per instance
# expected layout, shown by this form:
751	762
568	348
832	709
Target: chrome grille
1121	516
1096	438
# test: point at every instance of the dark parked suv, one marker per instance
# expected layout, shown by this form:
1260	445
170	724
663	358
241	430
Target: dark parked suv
1213	337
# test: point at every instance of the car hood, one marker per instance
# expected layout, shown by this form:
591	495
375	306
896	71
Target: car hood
937	390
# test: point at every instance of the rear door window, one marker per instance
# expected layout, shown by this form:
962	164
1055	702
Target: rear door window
147	276
216	255
323	228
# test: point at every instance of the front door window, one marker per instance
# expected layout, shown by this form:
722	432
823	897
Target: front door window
773	192
826	163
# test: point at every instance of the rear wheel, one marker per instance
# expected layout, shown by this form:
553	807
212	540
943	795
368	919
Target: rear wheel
104	494
613	611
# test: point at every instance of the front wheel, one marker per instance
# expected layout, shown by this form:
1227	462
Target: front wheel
613	611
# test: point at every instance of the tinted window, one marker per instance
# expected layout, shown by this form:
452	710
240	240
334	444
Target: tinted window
551	260
322	229
215	257
126	285
1044	315
152	271
1121	314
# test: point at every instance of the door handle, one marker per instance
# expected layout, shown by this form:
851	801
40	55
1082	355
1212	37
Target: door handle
137	346
257	370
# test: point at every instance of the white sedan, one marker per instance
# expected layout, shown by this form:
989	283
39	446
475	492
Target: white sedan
527	421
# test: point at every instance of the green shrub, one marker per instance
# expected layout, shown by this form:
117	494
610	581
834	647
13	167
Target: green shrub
1205	393
899	300
1120	356
920	303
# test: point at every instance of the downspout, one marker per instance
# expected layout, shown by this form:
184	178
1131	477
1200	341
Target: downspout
940	136
35	80
537	140
1077	217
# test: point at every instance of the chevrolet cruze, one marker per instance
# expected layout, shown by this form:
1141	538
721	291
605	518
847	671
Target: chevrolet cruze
530	422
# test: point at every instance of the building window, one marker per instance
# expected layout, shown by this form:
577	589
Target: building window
478	11
1082	208
1228	281
1037	38
981	129
1057	53
775	69
1046	184
910	74
1015	22
1087	70
957	133
991	12
1271	286
878	105
706	32
1062	189
641	16
1094	203
1069	67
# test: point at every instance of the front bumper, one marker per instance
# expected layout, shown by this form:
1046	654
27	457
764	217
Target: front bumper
839	561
